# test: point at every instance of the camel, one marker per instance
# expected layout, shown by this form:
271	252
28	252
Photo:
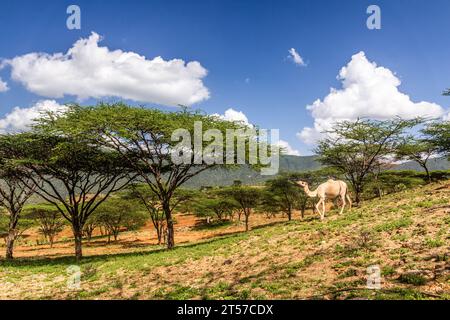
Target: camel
328	190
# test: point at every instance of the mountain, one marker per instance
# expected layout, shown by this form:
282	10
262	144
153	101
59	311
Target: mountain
245	174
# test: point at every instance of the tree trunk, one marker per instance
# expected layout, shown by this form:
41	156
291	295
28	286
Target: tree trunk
170	241
289	213
358	191
158	233
10	245
78	244
246	221
428	174
357	198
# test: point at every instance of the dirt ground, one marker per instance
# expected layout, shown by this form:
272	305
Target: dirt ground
188	228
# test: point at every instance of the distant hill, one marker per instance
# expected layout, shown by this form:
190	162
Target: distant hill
224	177
433	164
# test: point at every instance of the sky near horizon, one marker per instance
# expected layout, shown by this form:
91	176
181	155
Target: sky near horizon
297	66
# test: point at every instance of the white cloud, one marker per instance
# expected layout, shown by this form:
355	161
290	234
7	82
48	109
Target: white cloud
90	71
20	119
287	149
296	58
3	86
367	91
234	115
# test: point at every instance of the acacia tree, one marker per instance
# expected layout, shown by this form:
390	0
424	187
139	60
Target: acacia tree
145	137
214	203
15	190
154	208
357	148
69	172
418	150
49	220
287	195
438	134
248	198
117	214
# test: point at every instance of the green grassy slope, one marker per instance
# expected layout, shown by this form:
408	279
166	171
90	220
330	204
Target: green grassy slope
405	234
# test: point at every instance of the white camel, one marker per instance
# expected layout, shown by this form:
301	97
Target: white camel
328	190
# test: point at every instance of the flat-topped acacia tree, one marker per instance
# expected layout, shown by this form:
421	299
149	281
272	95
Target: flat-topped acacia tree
69	172
145	138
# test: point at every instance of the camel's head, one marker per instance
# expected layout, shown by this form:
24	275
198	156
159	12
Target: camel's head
301	183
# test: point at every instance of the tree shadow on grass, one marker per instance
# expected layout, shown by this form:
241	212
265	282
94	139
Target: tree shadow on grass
153	250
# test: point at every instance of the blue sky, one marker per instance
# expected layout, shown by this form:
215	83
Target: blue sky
244	47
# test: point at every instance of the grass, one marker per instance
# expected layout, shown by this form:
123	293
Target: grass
286	260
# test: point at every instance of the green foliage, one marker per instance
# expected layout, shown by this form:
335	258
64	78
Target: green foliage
418	150
283	196
412	278
117	214
150	138
394	225
48	218
360	148
247	198
213	204
438	134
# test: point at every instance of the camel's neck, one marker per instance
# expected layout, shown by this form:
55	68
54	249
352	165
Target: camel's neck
310	193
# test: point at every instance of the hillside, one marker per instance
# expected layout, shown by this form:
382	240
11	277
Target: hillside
433	164
224	177
406	234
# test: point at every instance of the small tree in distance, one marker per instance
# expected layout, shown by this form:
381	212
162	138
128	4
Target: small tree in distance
119	214
49	220
247	198
417	150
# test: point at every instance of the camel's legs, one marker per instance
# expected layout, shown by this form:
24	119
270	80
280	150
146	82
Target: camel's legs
317	208
323	209
343	204
349	201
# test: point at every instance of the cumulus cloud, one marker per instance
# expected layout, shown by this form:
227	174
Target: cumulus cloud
20	119
368	91
88	70
296	57
234	115
3	86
